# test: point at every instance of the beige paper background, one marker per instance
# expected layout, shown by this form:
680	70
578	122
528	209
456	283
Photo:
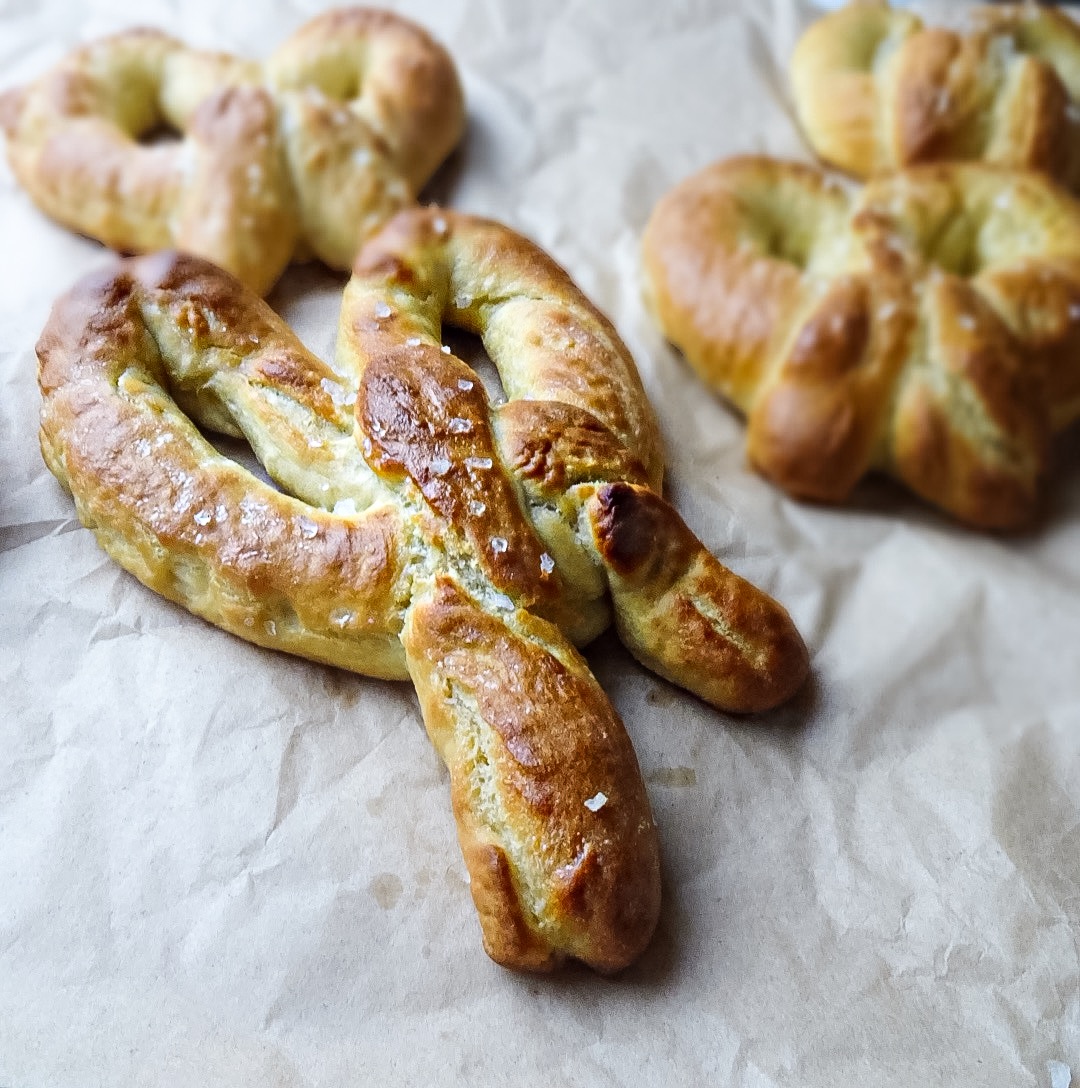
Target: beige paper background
222	866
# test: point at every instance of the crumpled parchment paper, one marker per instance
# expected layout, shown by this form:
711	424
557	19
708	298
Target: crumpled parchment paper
224	866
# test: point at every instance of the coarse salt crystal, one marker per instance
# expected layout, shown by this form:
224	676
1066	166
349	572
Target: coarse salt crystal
464	384
460	426
501	601
308	528
1060	1074
345	507
476	508
478	462
547	564
596	802
499	544
413	342
446	349
342	617
438	224
966	321
202	517
440	466
382	310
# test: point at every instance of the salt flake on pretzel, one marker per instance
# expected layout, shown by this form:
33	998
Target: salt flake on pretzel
427	534
305	154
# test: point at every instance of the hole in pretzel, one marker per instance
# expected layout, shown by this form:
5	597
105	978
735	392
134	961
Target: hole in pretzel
240	451
469	348
159	134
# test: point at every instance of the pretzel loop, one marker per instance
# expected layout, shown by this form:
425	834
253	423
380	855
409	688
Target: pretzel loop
304	155
428	534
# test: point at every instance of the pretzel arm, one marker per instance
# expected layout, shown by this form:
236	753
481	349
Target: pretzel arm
188	522
686	616
552	815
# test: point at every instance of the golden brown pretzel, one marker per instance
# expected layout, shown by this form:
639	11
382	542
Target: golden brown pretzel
875	89
432	535
306	153
927	325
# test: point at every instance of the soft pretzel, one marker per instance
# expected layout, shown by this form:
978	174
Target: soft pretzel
427	533
305	154
875	89
927	326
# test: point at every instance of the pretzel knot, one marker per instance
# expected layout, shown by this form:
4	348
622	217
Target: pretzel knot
876	89
307	153
428	533
927	326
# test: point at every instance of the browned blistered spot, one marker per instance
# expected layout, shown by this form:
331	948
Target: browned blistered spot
552	446
632	533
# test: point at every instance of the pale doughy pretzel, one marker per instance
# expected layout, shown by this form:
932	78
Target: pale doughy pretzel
927	326
305	154
432	535
875	89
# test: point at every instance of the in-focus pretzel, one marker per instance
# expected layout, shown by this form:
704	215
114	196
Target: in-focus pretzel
875	89
428	534
305	154
927	326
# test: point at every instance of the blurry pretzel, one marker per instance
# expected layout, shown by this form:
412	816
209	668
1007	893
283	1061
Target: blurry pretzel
432	535
927	326
307	153
875	89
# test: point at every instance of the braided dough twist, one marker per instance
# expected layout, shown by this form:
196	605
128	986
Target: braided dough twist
304	154
427	534
875	89
927	326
